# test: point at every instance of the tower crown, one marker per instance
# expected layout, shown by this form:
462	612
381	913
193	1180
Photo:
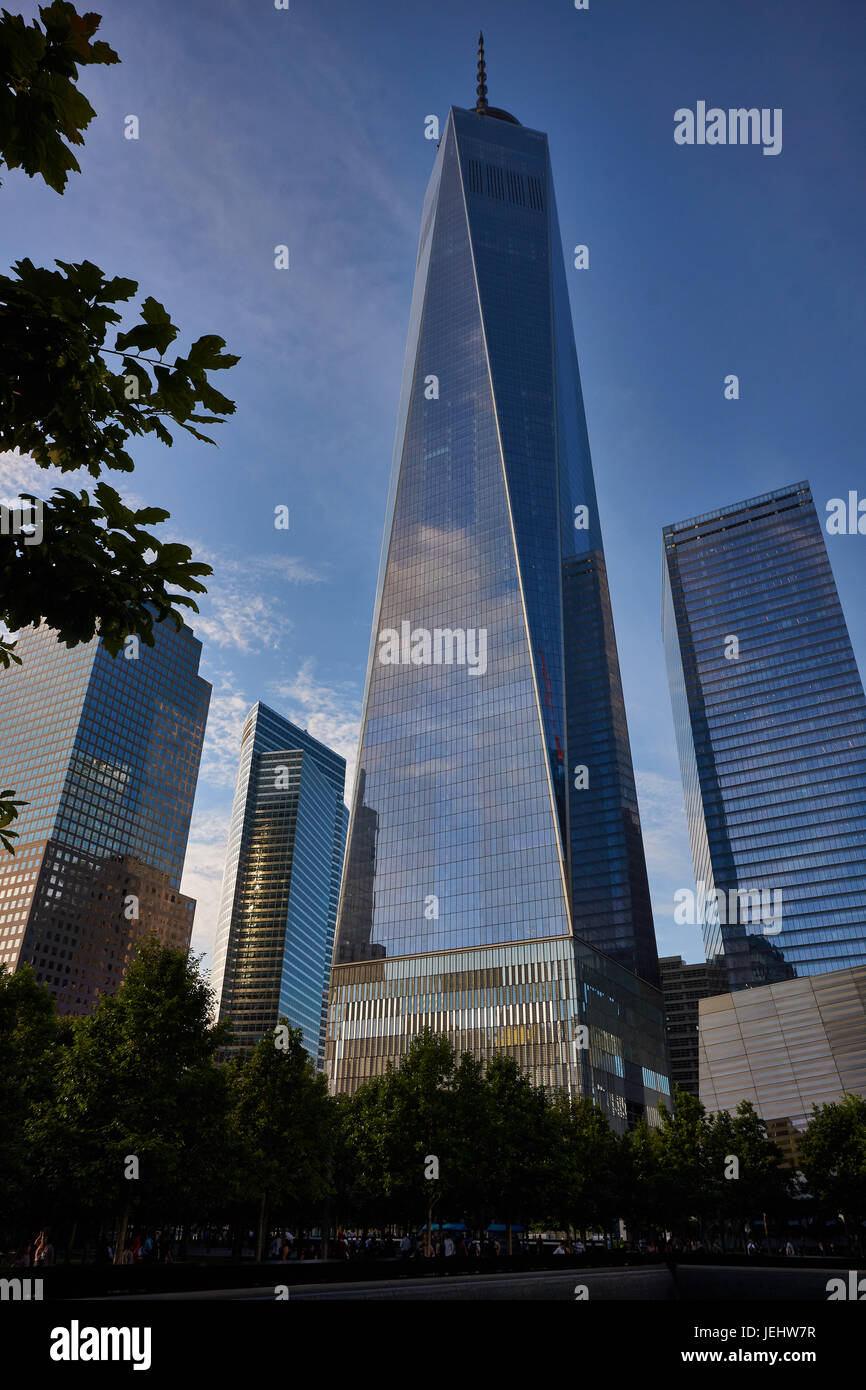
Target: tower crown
481	107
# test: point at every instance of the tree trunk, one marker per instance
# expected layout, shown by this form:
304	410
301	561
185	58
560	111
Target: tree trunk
120	1241
260	1237
326	1231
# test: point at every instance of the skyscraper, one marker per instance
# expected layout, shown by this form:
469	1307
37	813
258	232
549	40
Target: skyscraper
105	751
495	881
770	722
683	987
275	934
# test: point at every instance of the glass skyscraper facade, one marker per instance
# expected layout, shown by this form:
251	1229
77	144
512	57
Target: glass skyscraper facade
105	751
770	721
495	883
275	933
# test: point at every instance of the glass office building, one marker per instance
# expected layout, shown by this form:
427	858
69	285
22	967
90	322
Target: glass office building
770	723
683	987
278	909
105	751
495	883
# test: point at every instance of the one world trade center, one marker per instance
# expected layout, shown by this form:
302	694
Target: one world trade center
495	887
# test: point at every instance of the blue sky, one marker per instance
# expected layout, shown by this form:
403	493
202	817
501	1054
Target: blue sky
305	127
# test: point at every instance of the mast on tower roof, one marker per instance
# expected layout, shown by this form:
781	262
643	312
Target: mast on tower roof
481	89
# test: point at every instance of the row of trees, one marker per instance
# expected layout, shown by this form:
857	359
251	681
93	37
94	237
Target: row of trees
129	1115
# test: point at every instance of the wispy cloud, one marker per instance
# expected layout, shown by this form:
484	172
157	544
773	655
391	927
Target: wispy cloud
203	874
663	822
331	713
669	860
247	622
228	709
19	473
244	607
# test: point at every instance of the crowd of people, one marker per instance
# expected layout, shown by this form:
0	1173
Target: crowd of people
166	1246
149	1247
415	1245
286	1247
154	1247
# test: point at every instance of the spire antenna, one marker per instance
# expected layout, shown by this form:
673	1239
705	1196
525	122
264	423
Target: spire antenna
481	89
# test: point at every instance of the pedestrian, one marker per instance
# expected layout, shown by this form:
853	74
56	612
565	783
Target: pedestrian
45	1250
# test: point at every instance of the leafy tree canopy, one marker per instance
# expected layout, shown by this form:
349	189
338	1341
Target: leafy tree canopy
40	106
88	562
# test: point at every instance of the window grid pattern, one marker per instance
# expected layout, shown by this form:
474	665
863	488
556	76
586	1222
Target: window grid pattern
105	751
278	907
529	1000
466	832
772	742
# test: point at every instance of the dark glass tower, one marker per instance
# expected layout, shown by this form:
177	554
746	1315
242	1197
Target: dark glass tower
683	987
771	732
275	935
105	751
495	820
